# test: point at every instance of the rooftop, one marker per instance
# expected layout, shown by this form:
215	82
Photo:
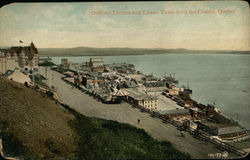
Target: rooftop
29	51
96	60
139	95
209	123
155	84
175	111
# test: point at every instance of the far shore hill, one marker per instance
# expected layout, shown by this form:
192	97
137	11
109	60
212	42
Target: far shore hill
115	51
88	51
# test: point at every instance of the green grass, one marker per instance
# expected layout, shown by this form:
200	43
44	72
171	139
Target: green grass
13	146
103	139
38	81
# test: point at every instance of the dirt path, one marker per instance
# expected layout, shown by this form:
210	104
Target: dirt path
88	106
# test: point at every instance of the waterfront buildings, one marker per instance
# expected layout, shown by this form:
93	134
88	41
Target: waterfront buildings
42	60
65	63
176	113
225	131
155	86
113	83
96	64
141	99
173	91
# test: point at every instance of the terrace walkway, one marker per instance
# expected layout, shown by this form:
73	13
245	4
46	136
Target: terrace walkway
87	105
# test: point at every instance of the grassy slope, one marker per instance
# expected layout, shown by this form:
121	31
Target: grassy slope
102	139
32	120
32	124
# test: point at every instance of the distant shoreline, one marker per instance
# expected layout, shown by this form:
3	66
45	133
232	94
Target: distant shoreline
88	51
132	54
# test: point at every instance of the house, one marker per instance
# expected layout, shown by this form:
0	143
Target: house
96	62
175	113
65	63
42	60
150	79
120	93
130	84
91	80
20	77
173	92
75	66
222	130
155	86
141	99
97	69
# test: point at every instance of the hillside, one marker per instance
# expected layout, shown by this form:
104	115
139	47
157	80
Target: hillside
35	122
34	127
81	51
88	51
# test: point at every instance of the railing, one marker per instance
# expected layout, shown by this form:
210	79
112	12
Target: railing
197	135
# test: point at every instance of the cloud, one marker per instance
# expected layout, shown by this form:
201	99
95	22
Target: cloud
71	24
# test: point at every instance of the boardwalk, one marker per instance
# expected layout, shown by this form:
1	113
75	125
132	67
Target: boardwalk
88	106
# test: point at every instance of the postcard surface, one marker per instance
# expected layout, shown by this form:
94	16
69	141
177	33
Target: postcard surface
125	80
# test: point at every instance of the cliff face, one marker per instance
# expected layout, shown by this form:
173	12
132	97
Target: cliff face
34	121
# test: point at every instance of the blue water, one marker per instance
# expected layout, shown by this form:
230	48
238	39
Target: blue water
223	79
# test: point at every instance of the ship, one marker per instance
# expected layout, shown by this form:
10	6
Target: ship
187	90
170	79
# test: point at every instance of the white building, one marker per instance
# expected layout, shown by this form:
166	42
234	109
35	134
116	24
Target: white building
20	77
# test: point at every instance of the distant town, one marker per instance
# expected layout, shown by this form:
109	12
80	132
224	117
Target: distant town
122	83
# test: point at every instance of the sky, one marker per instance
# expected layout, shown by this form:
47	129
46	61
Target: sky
205	25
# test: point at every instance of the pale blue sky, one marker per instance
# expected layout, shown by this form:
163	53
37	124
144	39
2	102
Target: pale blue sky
52	25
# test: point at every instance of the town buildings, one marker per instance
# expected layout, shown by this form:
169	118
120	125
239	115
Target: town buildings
141	99
225	131
19	57
42	60
96	64
157	86
65	63
113	83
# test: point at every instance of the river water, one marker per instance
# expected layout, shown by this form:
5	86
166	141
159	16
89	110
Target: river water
223	79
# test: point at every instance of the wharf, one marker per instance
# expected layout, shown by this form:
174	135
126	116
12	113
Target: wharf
156	127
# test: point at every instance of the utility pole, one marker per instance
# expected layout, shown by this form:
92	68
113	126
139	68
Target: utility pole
46	74
33	76
49	78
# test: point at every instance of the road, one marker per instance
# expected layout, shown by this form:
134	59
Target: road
87	105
